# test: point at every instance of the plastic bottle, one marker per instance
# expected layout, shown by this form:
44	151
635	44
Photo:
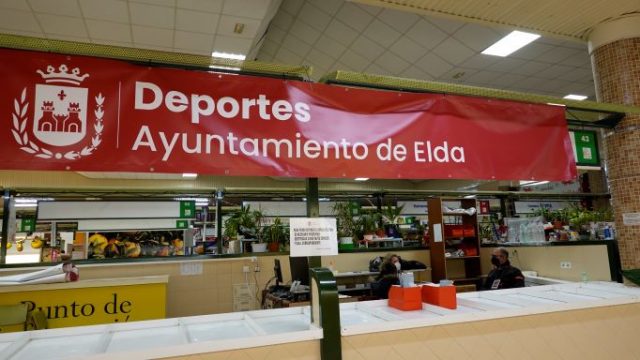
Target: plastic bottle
607	233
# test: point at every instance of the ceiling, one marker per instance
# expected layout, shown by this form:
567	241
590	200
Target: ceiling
436	40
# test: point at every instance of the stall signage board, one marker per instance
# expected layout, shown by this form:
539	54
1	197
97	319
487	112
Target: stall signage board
75	113
585	147
27	225
84	210
313	237
529	207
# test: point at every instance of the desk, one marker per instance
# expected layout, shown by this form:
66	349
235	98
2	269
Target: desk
352	282
272	301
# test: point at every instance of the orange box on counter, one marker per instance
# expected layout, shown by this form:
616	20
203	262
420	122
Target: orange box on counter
444	296
408	298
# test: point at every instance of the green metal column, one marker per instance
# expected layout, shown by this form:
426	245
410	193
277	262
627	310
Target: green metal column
313	210
219	197
325	312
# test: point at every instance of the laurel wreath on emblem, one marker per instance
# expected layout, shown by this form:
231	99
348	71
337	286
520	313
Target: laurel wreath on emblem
22	137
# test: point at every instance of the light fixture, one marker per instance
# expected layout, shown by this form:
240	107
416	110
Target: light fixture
510	43
361	179
238	28
469	196
189	175
575	97
224	67
538	183
526	182
224	55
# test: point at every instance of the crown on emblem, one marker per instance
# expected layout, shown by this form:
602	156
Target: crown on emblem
62	75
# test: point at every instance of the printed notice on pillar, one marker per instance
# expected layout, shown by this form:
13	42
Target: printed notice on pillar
631	219
313	237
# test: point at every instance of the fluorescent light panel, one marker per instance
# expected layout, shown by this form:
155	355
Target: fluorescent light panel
576	97
361	179
510	43
225	55
189	175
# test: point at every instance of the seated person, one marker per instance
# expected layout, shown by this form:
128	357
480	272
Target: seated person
388	276
503	275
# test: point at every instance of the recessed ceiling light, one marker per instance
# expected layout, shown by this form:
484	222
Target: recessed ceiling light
225	55
469	196
361	179
575	97
510	43
189	175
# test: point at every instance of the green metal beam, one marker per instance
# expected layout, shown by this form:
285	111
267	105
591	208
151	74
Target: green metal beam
327	310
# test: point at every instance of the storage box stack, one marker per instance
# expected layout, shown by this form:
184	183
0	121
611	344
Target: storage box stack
405	298
438	295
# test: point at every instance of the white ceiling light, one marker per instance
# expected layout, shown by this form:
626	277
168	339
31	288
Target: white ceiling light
361	179
538	183
575	97
526	182
510	43
189	175
469	196
225	55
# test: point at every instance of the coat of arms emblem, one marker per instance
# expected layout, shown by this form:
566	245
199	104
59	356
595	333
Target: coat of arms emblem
60	115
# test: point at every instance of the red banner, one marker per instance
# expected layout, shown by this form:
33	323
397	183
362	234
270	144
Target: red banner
89	114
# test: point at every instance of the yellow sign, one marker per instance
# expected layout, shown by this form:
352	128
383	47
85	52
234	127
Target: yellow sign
94	305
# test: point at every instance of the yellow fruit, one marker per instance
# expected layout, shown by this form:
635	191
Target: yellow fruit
19	246
9	245
37	242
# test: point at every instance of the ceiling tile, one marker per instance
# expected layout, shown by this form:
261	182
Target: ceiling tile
381	33
506	64
554	71
193	41
373	10
330	47
320	59
446	25
377	70
107	30
479	61
508	79
150	15
556	54
399	20
152	36
408	50
433	65
127	44
531	68
305	32
426	34
276	35
21	32
453	51
255	9
341	32
581	58
354	16
331	7
531	82
227	23
154	47
75	38
577	74
531	51
477	37
392	63
15	5
457	75
58	7
165	3
292	6
18	20
269	47
314	17
196	21
283	20
296	46
62	25
354	61
105	10
212	6
232	45
288	57
413	72
482	77
366	48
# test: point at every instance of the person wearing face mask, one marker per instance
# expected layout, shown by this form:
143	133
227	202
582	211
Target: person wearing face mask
395	260
503	275
388	276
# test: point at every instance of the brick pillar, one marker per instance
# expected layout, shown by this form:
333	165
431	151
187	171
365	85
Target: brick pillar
615	56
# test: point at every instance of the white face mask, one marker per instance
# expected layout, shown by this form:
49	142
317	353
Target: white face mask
398	265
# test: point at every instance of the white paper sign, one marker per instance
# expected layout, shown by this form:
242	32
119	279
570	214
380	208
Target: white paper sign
313	237
630	219
437	232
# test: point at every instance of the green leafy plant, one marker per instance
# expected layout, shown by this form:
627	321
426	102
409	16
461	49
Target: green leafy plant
276	232
344	216
366	224
244	221
390	214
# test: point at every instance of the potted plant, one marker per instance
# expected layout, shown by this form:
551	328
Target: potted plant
366	226
247	223
275	235
346	226
390	216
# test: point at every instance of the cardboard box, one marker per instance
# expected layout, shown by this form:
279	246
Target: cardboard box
408	298
444	296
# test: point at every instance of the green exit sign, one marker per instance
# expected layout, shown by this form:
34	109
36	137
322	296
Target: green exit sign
585	147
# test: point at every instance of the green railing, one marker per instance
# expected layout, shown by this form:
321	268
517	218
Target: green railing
325	312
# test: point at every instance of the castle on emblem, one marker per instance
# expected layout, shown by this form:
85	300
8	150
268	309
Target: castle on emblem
59	118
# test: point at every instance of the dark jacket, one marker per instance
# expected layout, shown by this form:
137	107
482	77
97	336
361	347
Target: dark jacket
509	276
380	288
